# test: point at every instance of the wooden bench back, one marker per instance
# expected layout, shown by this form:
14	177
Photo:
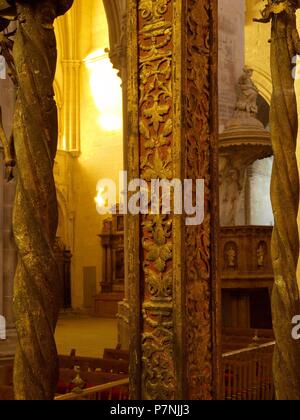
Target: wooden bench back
6	375
6	393
115	354
93	364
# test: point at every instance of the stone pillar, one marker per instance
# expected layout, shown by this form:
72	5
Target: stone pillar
172	133
231	54
8	258
71	108
118	58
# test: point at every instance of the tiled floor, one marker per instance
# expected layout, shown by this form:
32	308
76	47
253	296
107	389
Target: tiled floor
89	336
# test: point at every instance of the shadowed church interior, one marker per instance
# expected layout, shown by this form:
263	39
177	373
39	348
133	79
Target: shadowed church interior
109	306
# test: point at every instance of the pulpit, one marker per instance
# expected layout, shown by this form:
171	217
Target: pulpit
247	276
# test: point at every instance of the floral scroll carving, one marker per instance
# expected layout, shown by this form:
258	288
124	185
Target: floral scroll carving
175	288
155	134
198	239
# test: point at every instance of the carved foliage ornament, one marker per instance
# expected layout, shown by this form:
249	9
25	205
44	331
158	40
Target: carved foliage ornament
153	10
160	93
198	238
155	130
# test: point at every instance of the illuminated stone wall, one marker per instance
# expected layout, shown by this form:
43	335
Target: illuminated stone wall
99	145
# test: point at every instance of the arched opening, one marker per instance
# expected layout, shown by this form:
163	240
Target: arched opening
90	149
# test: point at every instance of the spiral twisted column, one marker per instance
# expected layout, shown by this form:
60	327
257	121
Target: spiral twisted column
35	213
285	200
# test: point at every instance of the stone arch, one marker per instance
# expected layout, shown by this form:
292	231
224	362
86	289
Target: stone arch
262	80
115	10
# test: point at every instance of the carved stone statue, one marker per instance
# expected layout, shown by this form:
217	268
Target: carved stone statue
247	93
261	253
31	55
230	255
245	114
229	196
243	141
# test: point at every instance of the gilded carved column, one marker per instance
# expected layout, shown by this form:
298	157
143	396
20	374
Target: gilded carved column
172	128
36	284
285	44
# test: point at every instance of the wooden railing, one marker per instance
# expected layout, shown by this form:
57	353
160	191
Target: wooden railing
247	373
116	391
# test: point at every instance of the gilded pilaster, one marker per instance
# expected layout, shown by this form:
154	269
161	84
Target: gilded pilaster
172	268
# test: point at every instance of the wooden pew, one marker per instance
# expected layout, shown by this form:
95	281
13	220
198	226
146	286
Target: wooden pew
92	371
247	332
116	354
6	393
6	375
94	364
238	338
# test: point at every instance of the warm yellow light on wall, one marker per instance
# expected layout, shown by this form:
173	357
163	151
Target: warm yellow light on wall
106	90
99	199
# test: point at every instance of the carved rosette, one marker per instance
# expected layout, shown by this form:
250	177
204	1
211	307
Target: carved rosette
170	119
